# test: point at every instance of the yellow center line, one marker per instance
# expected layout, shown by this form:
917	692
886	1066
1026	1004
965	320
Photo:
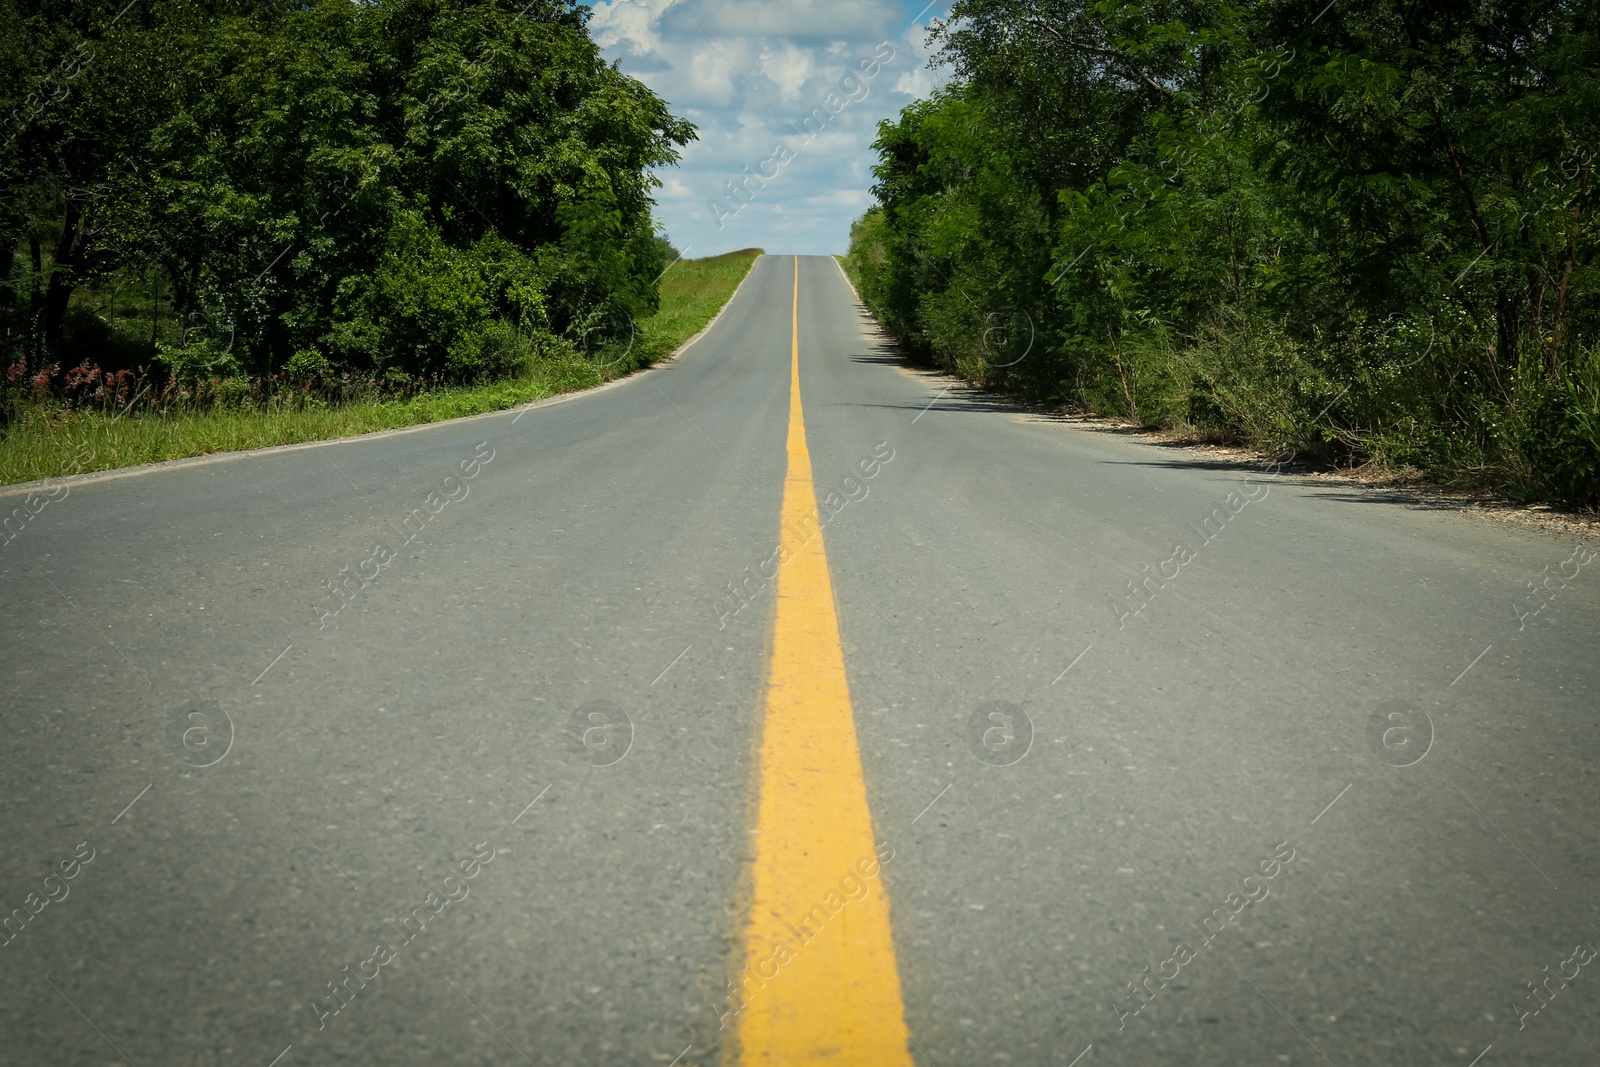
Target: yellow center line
819	983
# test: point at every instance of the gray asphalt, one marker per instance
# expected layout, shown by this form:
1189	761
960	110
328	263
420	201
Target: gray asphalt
269	777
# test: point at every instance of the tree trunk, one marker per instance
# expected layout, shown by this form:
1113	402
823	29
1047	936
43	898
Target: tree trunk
8	259
63	275
1508	328
1554	362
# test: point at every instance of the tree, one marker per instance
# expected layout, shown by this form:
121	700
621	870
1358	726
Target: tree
418	187
1359	230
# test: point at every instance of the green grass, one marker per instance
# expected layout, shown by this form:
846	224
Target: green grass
43	444
692	292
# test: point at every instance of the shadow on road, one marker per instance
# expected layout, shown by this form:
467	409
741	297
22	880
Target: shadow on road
949	394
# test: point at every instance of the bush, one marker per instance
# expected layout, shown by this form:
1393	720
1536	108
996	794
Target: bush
306	365
202	359
1249	379
1550	431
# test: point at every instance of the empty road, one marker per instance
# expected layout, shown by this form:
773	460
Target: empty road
783	705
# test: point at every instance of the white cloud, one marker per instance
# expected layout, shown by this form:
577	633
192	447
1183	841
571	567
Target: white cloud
914	83
747	72
711	77
789	67
629	22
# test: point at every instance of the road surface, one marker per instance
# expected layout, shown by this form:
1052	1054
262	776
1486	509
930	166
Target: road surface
528	738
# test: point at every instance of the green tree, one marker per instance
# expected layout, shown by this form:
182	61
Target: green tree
1361	229
424	187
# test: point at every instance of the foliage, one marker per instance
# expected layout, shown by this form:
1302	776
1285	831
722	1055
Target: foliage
1363	230
430	189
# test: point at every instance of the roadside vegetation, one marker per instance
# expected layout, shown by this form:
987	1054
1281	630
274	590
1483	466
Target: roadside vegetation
1366	236
226	224
100	426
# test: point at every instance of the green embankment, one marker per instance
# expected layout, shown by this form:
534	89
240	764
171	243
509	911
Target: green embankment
46	443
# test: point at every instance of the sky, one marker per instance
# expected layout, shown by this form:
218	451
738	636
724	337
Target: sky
748	73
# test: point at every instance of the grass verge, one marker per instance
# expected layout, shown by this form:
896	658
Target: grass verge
45	444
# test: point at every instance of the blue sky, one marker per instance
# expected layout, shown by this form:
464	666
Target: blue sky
748	73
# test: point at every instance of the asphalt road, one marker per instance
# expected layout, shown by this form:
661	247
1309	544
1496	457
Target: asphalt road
1321	777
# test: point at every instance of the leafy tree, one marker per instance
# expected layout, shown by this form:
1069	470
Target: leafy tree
427	188
1363	230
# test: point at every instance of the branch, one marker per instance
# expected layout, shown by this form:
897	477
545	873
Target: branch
1103	53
